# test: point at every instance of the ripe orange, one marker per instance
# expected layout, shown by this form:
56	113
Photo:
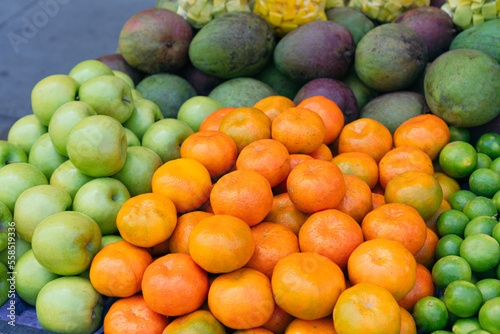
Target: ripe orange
307	285
213	149
424	286
398	222
367	308
257	330
174	285
221	243
147	220
300	130
432	221
272	243
316	185
448	184
383	262
285	213
246	125
295	159
427	132
319	326
178	241
268	157
427	254
408	325
377	200
357	201
132	315
241	299
185	181
331	233
244	194
273	105
330	113
117	269
199	321
360	164
212	121
365	135
323	153
279	320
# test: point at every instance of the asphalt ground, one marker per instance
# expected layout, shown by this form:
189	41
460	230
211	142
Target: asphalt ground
39	38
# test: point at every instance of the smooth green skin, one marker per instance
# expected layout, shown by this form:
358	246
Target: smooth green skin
353	19
138	170
45	156
88	69
459	134
97	145
165	138
50	93
483	161
66	242
4	284
489	287
481	251
454	298
452	222
168	91
69	305
465	326
488	208
489	144
489	314
31	277
25	132
278	81
462	152
145	113
207	323
194	111
16	178
109	239
484	182
37	203
448	245
362	91
496	233
495	165
63	120
69	178
484	37
459	199
125	77
430	307
132	139
5	220
108	95
167	4
450	268
463	96
481	224
136	95
101	199
20	245
10	153
241	92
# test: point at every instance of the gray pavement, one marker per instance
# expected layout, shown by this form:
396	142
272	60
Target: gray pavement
39	38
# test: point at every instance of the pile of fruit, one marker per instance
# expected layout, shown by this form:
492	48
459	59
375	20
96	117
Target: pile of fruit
232	172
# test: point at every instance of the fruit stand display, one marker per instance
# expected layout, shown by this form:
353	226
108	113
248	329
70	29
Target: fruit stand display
263	167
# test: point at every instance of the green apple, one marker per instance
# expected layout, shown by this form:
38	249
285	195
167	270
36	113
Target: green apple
109	239
31	277
145	113
15	250
45	156
97	145
4	284
37	203
136	95
69	305
108	95
10	153
101	199
165	137
125	77
63	120
50	93
132	139
5	222
88	69
16	178
195	109
25	132
66	242
137	173
69	178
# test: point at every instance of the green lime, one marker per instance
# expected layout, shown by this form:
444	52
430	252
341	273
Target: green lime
481	224
4	283
464	326
448	245
483	161
463	298
480	206
452	222
460	198
449	269
489	316
495	165
473	278
441	332
459	134
489	144
481	251
496	232
479	331
458	159
496	200
489	287
430	314
484	182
